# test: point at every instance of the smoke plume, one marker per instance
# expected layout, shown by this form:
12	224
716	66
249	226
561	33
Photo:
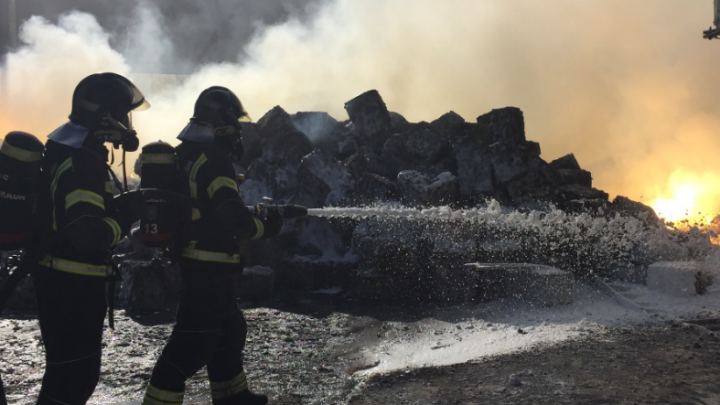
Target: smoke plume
629	88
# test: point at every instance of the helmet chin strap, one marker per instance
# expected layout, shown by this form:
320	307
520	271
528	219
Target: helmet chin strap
124	167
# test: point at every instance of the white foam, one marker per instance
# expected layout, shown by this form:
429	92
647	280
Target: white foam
460	334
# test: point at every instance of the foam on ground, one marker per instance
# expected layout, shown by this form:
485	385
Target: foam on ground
461	334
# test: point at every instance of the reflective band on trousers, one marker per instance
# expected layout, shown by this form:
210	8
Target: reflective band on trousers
20	154
208	256
226	389
219	183
156	396
157	158
82	269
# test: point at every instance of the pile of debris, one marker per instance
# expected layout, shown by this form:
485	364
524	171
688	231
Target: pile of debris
311	159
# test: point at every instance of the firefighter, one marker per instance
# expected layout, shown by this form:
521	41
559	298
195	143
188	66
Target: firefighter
80	224
210	329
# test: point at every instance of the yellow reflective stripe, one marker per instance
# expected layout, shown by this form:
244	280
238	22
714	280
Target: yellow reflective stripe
108	187
115	228
67	164
83	269
20	154
152	401
156	396
208	256
85	196
62	169
193	183
219	183
225	389
193	175
260	229
157	158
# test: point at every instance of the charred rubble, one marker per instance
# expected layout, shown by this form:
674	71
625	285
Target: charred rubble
377	156
501	203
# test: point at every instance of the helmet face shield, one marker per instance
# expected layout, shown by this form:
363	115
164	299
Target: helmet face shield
139	103
137	99
244	116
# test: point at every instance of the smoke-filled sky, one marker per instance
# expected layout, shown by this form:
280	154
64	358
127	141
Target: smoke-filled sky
629	87
209	30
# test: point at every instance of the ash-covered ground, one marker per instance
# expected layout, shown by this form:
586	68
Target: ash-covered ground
290	355
317	349
646	365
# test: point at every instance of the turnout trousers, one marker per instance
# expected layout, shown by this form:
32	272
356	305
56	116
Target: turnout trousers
210	330
71	311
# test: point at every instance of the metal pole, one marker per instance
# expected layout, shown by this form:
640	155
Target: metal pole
12	23
3	77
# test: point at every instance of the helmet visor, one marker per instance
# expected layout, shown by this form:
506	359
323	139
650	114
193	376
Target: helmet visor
139	103
244	116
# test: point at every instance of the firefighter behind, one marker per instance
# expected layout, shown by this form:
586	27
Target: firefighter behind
210	329
80	224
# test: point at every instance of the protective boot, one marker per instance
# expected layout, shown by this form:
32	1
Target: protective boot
235	392
243	398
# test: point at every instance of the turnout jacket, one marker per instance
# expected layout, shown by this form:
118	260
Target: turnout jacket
79	220
223	219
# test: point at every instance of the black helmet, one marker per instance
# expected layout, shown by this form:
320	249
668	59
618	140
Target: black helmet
218	106
102	102
221	108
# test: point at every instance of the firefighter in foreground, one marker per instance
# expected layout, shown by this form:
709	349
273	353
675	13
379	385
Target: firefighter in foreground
80	224
210	329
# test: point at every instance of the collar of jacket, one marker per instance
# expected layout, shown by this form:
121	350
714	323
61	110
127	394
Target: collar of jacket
70	134
196	132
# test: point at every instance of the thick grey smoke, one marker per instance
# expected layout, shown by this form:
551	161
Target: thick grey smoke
39	78
208	31
147	47
630	88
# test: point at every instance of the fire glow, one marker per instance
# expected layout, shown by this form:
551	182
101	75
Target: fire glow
690	197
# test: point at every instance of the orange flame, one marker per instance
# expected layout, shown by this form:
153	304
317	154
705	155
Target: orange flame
689	197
